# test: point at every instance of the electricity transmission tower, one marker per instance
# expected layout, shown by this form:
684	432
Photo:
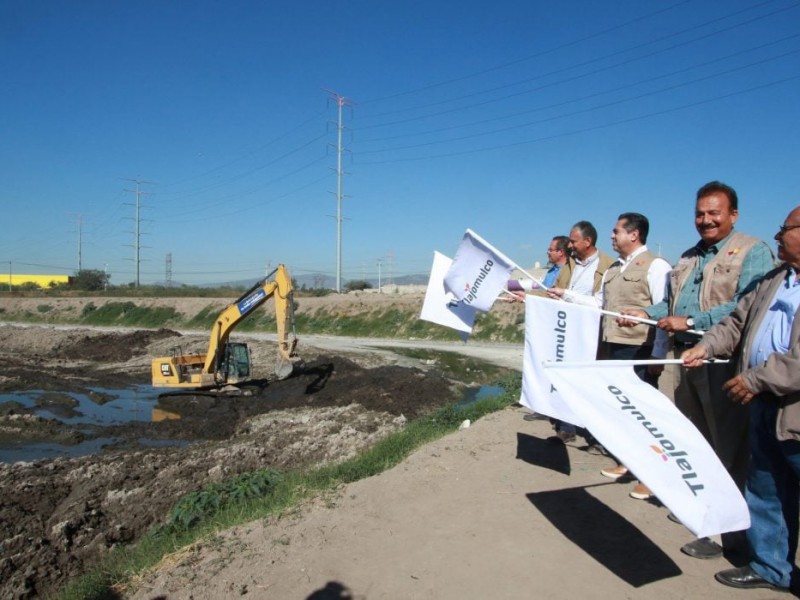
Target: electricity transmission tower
341	102
168	271
137	226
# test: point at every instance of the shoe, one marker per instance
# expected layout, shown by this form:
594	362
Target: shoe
745	578
615	472
671	516
641	492
534	417
702	548
596	449
561	437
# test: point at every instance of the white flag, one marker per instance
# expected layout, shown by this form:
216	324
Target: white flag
644	430
441	307
479	272
555	331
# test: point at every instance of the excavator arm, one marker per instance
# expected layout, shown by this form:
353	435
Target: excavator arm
211	368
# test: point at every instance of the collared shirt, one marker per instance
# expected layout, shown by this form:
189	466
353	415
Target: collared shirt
551	275
582	280
774	332
657	277
757	262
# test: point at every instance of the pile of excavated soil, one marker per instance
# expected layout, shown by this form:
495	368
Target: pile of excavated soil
59	516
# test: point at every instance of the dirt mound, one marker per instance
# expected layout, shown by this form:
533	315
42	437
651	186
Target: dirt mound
109	346
60	516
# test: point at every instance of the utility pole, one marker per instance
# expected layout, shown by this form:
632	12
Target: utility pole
137	230
80	244
168	271
10	278
341	102
80	240
379	276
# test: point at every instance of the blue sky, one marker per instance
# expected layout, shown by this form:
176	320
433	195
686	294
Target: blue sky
515	119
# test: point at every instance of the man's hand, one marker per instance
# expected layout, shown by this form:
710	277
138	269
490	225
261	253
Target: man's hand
515	297
737	390
634	312
673	324
555	293
694	357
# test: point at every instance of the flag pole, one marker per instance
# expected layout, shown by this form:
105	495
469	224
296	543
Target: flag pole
646	321
552	364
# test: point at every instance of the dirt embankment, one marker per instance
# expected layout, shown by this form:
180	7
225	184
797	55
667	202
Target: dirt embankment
59	516
355	314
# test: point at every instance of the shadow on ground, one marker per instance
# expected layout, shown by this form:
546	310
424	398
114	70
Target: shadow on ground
604	535
538	452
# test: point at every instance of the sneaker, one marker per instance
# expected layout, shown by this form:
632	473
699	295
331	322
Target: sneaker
641	492
615	472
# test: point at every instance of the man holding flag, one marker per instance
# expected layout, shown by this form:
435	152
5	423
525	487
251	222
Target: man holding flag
635	280
582	274
765	326
704	287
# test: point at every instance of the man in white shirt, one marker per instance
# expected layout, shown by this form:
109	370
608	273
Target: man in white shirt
582	275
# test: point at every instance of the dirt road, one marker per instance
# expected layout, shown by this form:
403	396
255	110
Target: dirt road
491	511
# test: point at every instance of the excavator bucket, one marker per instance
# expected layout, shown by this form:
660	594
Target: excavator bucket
285	368
288	363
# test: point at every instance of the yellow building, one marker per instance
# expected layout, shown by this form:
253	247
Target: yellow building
43	281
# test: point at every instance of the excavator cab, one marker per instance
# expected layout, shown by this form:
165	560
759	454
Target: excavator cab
235	364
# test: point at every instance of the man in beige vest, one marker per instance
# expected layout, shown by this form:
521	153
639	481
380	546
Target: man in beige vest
704	287
581	275
763	335
636	279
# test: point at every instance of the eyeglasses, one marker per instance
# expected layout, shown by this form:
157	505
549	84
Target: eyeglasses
784	228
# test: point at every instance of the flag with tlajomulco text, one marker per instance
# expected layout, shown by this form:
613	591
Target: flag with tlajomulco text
555	331
442	307
644	430
479	272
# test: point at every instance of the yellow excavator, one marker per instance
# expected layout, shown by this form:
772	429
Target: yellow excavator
228	363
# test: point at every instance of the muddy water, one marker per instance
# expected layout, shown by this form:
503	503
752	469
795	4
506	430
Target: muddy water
101	408
86	414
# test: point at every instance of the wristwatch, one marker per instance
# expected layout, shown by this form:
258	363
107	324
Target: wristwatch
690	322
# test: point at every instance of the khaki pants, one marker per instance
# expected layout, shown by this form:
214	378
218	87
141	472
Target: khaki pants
724	423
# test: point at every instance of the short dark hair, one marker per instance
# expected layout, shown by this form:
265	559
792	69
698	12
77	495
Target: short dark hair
587	230
638	222
714	187
562	243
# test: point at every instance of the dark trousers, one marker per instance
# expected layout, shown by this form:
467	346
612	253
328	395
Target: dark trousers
611	351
